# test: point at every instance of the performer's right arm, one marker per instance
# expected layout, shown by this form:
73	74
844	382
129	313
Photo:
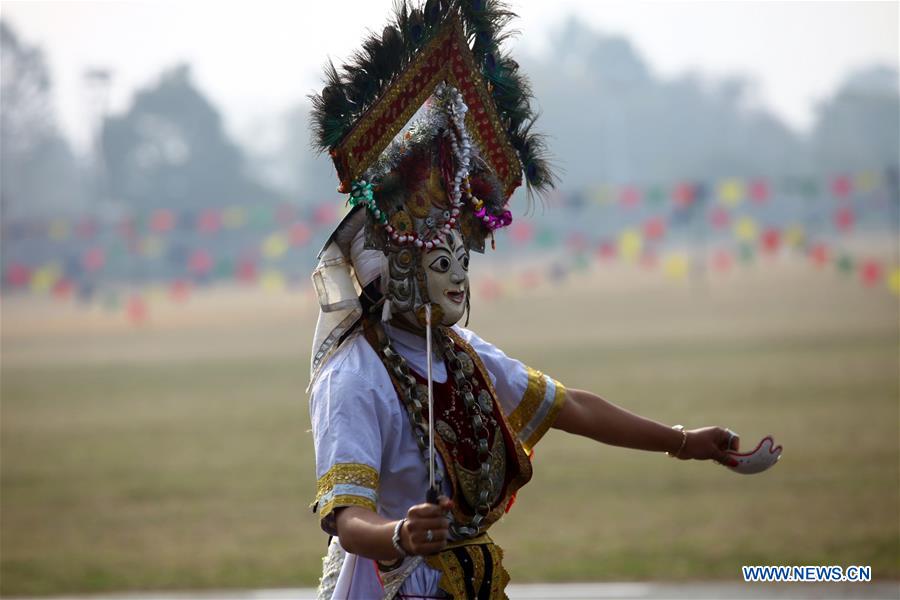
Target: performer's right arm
368	534
352	412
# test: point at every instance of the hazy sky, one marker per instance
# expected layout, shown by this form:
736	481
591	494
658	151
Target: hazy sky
258	58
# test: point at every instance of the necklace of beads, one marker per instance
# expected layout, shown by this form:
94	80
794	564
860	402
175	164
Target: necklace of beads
415	398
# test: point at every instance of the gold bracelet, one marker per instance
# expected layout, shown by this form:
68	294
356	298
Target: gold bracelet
683	441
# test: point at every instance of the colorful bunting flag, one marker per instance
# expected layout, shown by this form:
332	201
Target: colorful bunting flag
722	261
629	197
841	186
676	266
272	280
200	262
870	273
746	229
136	309
42	279
275	246
759	191
18	274
844	219
630	244
210	221
731	192
299	234
819	255
771	240
654	228
162	221
521	232
893	281
719	217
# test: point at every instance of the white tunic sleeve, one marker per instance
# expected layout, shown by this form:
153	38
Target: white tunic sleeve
349	425
529	399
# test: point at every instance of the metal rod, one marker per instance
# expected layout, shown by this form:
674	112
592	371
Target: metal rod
430	399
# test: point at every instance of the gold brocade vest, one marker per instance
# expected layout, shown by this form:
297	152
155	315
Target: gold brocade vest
472	568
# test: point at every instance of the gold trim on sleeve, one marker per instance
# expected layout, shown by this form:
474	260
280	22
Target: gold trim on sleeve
345	500
350	473
341	474
559	399
531	401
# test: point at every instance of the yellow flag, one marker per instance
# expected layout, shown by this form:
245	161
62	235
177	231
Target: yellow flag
676	265
275	245
746	229
44	278
272	280
794	236
731	192
894	281
630	244
866	181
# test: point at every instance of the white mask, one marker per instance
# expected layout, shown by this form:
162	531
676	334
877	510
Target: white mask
447	277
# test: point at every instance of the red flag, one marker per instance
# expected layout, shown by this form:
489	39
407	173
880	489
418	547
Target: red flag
684	195
771	239
841	186
654	228
200	262
298	234
210	221
844	219
871	273
719	217
93	259
246	271
606	250
722	260
759	191
179	290
136	309
819	255
629	196
162	220
62	288
521	232
18	274
325	214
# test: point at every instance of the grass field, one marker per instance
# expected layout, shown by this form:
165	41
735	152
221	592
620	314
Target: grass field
176	455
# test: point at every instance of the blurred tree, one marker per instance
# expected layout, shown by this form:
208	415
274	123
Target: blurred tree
613	120
170	150
859	127
315	178
38	172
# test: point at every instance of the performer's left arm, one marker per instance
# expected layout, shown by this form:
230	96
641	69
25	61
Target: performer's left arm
584	413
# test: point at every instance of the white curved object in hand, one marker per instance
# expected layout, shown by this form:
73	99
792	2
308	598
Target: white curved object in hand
758	460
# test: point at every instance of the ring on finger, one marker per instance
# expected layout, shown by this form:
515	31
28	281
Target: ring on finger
429	536
731	436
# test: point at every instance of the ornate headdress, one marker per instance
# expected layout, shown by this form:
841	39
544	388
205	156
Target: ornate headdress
455	167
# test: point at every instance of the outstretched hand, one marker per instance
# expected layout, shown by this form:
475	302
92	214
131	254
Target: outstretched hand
710	443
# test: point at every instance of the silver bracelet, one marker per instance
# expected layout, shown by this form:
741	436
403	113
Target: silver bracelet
683	441
395	539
